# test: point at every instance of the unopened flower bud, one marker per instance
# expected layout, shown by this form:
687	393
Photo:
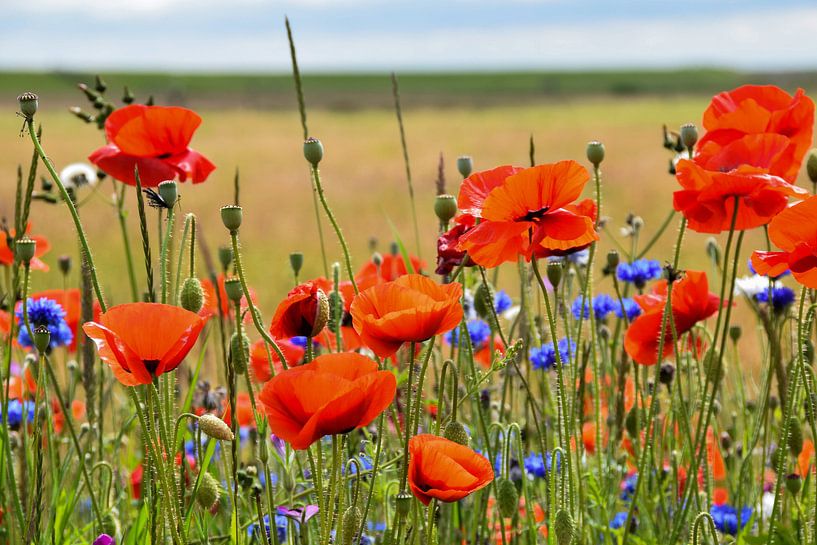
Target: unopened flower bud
595	152
215	427
735	332
208	491
689	135
445	206
465	165
233	288
456	432
192	296
313	151
296	261
99	84
225	257
64	263
666	374
507	498
377	259
554	273
25	249
713	250
795	436
127	96
808	351
613	260
239	352
352	519
564	528
793	483
483	296
231	216
28	104
169	192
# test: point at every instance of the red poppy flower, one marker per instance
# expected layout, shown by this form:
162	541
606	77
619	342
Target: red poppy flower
391	268
70	301
260	362
448	255
707	199
805	457
211	307
155	139
335	393
412	308
136	482
5	323
526	213
7	254
736	121
302	314
244	414
691	303
77	413
485	356
350	340
795	232
445	470
140	341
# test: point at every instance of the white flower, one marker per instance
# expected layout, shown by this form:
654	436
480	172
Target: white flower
750	286
77	175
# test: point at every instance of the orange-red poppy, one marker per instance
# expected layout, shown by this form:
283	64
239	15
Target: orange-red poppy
77	413
737	121
708	197
529	212
260	363
794	231
804	458
211	301
244	414
5	323
349	338
445	470
302	314
412	308
156	140
7	254
70	301
392	267
335	393
691	303
714	456
140	341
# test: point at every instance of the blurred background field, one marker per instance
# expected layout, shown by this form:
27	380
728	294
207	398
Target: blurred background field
251	123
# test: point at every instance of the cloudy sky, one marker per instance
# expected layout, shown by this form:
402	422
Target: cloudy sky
355	35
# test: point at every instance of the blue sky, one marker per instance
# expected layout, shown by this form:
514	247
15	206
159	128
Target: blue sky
363	35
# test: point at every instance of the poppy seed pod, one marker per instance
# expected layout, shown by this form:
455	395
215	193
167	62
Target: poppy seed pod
28	104
215	427
735	332
313	151
64	263
465	165
507	497
225	257
169	192
42	338
445	206
793	483
554	273
811	165
563	527
402	503
296	261
231	216
25	249
613	260
456	432
595	152
232	286
666	374
192	295
689	135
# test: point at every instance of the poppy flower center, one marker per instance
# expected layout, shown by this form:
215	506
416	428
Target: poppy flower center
151	366
534	215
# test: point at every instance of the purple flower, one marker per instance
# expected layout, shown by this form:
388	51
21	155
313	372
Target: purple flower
299	514
104	539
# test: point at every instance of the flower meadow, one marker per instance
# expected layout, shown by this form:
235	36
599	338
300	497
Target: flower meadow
523	389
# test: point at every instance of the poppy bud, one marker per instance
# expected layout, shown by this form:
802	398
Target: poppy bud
225	256
192	296
296	261
208	491
456	432
42	338
215	427
554	273
726	440
808	351
110	523
127	96
77	111
313	151
713	250
810	405
631	422
465	165
233	288
394	249
64	263
612	260
507	498
169	192
403	504
793	483
99	84
666	374
563	527
445	206
483	295
239	352
377	259
24	249
811	165
28	104
795	437
352	519
689	135
231	216
774	458
735	332
595	152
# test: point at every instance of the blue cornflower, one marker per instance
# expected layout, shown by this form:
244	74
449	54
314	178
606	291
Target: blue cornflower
639	272
782	297
16	410
726	518
602	306
628	486
502	301
478	330
48	313
537	465
545	357
254	530
365	464
619	520
631	309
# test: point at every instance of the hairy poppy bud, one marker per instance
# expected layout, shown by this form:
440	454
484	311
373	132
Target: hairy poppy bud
563	527
239	352
483	295
28	104
725	440
42	338
215	427
445	206
313	151
631	422
296	261
127	96
232	216
208	492
225	257
465	165
352	519
554	273
192	296
595	152
811	165
507	498
793	483
403	503
64	263
169	192
233	288
808	351
456	432
689	135
795	437
713	250
25	249
110	522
